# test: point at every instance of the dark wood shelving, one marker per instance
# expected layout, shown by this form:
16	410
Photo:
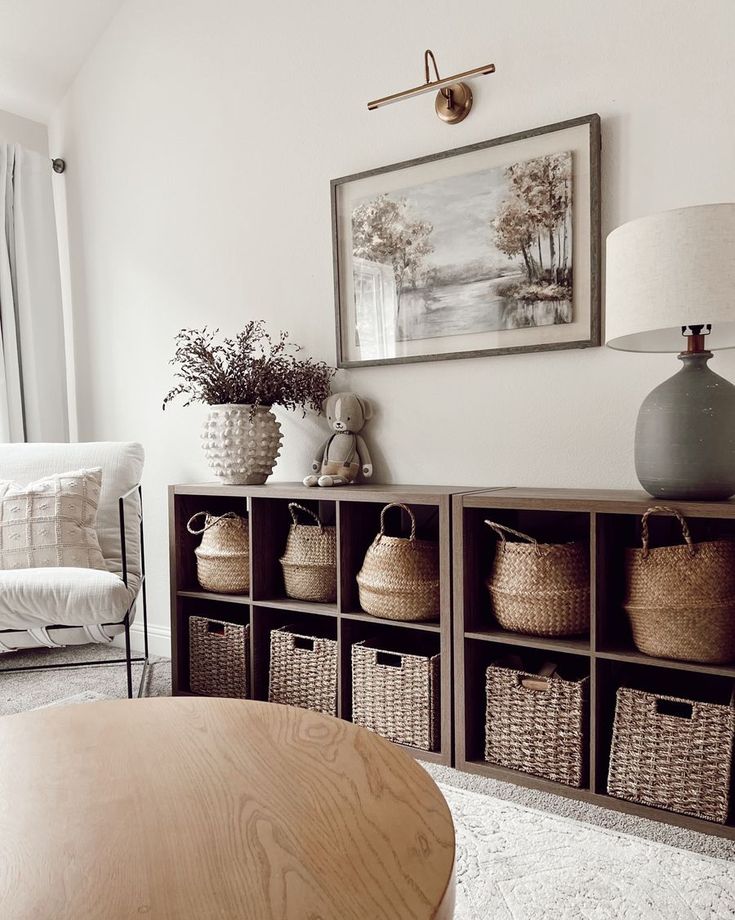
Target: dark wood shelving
297	491
420	754
570	645
298	606
355	511
608	521
633	655
217	598
607	501
427	626
518	778
668	817
585	794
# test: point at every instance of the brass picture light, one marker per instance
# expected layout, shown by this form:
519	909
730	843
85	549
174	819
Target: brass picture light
454	99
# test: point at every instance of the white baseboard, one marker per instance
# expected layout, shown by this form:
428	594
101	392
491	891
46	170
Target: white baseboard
159	639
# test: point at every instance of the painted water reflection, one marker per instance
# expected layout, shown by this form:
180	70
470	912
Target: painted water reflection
461	309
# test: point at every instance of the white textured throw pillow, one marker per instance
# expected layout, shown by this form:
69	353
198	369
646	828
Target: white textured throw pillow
50	522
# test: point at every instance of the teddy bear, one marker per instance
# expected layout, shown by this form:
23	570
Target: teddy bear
344	455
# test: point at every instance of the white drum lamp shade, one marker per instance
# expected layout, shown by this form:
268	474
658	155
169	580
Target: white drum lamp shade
671	288
671	270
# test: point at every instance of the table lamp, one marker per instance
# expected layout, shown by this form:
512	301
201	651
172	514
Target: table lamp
671	288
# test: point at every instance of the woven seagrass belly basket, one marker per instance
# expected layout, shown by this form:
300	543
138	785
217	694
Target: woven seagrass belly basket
539	589
680	600
223	556
399	578
309	561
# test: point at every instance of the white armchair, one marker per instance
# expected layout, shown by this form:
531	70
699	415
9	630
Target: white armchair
56	607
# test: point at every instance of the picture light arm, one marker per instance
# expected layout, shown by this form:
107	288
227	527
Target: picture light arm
454	99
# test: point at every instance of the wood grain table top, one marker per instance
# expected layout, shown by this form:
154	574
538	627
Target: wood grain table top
170	809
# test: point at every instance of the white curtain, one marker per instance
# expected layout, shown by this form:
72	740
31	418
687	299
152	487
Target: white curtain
33	402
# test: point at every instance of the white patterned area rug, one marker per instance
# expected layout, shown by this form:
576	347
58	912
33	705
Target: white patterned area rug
516	863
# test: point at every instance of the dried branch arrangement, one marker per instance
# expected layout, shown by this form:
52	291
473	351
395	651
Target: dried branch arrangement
253	368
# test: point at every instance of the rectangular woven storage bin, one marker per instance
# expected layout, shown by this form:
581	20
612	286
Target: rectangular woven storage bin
303	671
219	658
396	695
672	753
543	732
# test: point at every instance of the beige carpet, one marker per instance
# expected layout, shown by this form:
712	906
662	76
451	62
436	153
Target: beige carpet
26	690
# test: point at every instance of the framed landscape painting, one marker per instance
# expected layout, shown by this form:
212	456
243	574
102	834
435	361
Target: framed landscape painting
489	249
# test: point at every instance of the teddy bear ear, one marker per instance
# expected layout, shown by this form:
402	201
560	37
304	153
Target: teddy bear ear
325	405
367	407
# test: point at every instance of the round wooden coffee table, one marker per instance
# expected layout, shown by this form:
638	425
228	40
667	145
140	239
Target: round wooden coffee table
207	808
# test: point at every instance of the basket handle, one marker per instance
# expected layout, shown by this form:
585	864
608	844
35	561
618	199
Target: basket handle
403	508
538	682
212	523
679	709
501	530
664	509
388	659
293	507
305	643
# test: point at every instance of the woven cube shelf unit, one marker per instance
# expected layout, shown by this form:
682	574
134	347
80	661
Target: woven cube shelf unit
355	513
608	525
602	658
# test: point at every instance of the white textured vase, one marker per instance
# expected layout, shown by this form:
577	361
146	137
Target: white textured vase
241	443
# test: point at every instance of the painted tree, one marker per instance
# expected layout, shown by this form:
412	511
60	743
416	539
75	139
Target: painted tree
384	230
538	213
564	175
554	181
544	186
514	232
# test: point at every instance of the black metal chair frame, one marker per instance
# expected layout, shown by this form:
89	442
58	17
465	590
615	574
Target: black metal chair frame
128	660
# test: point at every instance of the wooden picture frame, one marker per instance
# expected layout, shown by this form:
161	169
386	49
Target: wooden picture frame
488	249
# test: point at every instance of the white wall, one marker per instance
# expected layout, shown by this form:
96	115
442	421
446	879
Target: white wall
201	138
17	130
43	43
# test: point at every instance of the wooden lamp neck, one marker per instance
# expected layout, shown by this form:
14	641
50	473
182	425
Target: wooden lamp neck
695	344
696	336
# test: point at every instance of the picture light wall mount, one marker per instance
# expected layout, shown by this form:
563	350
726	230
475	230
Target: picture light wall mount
454	97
